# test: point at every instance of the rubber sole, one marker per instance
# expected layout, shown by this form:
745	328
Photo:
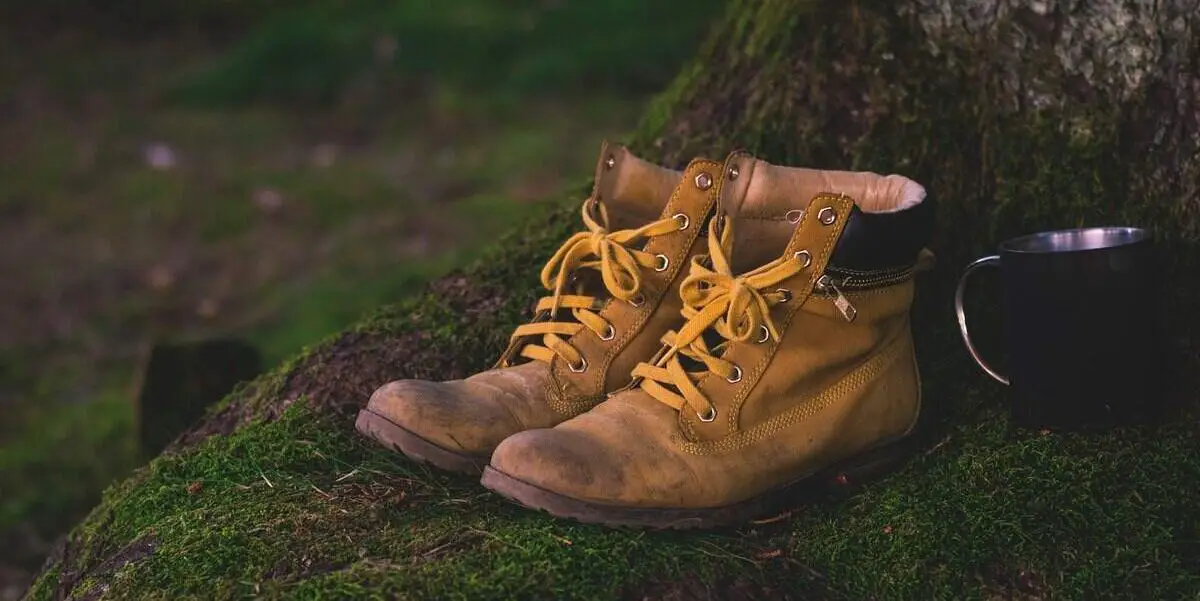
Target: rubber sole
396	438
837	480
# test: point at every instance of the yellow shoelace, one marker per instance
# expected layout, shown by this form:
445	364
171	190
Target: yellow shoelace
736	307
620	266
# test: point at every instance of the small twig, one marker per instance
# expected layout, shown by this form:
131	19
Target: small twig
939	445
434	550
497	538
323	493
565	541
771	520
812	572
264	477
721	552
348	474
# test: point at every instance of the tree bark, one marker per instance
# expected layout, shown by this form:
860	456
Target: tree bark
1017	115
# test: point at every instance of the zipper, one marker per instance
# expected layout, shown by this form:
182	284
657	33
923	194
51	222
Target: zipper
835	282
858	280
830	286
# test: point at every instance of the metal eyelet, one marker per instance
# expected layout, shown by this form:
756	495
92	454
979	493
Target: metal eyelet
704	181
609	333
787	294
794	215
610	162
637	300
805	258
736	377
766	334
827	216
663	263
734	173
582	365
683	220
709	415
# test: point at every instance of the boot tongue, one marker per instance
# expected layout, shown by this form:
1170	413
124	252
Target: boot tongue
767	200
633	191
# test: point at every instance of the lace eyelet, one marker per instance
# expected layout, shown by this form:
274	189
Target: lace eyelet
683	220
583	364
804	257
766	334
709	415
794	215
827	216
785	293
637	301
609	333
736	377
663	263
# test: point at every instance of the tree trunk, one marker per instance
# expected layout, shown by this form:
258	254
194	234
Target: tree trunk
1017	116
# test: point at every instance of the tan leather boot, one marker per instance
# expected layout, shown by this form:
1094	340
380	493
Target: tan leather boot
795	369
614	293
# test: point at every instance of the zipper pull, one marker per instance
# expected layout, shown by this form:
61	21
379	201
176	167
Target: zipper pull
840	301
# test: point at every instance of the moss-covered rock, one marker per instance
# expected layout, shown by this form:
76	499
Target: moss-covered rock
1016	119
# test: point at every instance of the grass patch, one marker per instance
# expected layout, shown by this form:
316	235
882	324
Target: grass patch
315	53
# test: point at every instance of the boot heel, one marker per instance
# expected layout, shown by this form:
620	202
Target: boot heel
848	475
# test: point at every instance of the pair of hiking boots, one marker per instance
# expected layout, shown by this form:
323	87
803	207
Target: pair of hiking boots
718	341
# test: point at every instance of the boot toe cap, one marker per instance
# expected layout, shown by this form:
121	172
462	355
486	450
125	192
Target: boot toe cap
444	414
571	464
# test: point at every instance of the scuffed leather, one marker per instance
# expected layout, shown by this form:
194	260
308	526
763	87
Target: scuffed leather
827	391
473	415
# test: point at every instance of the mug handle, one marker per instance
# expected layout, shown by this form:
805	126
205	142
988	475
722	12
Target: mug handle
992	260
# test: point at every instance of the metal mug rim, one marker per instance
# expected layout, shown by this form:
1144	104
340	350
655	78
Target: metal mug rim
1111	236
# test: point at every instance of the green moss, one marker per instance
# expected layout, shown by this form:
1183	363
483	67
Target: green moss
302	507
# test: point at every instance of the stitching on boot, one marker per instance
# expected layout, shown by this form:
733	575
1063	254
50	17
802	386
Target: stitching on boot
851	382
799	299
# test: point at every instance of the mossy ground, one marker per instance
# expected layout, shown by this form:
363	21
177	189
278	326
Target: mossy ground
294	504
291	195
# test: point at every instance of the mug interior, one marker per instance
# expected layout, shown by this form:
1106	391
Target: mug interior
1090	238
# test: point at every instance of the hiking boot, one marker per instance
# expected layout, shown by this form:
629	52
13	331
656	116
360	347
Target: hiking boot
614	292
794	371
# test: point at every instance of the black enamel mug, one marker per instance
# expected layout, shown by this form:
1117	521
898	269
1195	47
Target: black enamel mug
1080	327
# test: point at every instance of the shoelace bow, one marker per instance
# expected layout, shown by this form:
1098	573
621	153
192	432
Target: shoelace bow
735	307
620	268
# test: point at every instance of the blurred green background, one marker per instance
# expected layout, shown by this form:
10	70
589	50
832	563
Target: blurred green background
182	169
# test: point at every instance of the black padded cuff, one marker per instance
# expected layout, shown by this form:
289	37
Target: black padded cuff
874	241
